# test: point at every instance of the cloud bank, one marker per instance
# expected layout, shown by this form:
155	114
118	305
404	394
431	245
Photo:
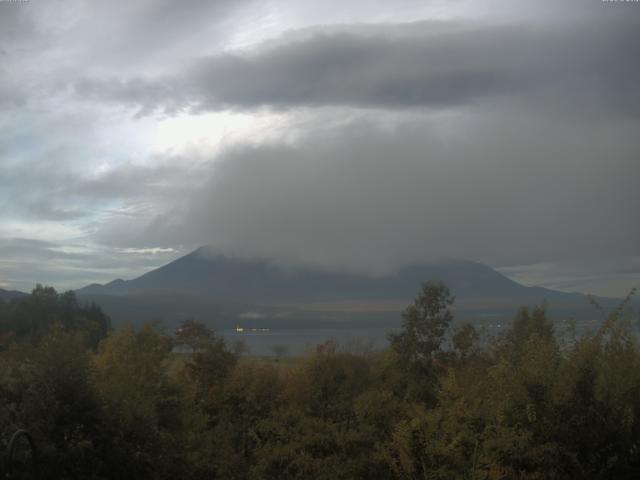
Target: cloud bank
359	137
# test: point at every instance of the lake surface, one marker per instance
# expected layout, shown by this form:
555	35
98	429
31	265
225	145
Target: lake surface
299	341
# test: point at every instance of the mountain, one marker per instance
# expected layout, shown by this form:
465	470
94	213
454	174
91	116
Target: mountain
224	290
231	279
7	295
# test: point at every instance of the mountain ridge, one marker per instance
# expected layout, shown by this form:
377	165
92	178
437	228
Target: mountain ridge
235	278
195	271
7	295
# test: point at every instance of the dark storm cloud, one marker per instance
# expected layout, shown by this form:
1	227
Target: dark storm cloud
370	198
426	64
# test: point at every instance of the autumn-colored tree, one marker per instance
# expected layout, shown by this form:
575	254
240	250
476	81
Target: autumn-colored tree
146	404
209	361
141	402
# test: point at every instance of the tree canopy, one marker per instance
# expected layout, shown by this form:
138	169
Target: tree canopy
442	402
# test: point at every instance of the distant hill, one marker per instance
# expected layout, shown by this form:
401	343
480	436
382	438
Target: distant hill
225	290
6	295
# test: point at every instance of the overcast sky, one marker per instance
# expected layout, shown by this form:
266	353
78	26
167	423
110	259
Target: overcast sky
359	135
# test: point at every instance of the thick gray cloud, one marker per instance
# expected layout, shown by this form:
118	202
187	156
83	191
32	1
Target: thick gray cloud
424	64
366	197
47	45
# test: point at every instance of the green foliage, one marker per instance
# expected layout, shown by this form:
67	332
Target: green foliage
209	362
465	341
424	323
47	389
252	394
417	348
530	323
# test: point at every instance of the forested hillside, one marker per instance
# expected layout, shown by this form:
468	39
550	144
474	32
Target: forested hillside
536	402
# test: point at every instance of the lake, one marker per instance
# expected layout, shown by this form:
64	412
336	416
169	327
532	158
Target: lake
299	341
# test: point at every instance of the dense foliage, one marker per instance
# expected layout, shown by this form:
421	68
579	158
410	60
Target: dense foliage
530	403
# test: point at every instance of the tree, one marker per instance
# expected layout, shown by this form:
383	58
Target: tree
193	336
47	390
413	369
530	323
209	362
33	317
251	394
424	323
465	339
141	402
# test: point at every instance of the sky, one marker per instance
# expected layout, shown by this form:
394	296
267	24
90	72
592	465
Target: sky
360	136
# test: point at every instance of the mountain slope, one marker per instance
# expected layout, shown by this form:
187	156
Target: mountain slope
258	281
224	288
